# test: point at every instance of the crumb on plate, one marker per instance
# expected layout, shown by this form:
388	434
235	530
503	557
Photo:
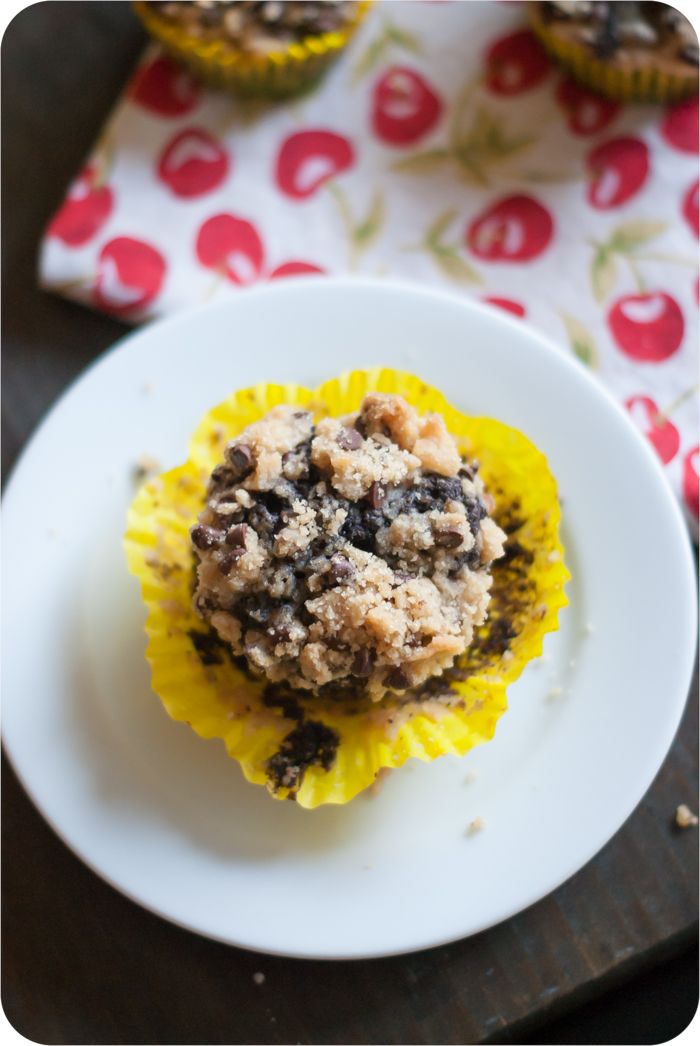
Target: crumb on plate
685	818
146	467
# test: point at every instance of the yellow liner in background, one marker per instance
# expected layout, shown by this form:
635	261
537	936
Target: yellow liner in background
634	82
275	74
219	700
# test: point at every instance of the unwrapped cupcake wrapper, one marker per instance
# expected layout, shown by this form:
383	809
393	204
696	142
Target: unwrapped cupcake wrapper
277	74
637	83
200	684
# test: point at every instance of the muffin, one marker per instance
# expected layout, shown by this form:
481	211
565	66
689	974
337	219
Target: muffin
354	552
335	583
263	48
638	51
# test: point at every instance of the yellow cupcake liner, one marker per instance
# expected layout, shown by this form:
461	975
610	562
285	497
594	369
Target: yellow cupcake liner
273	75
200	685
642	82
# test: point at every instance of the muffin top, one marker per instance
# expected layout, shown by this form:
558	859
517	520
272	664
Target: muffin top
256	25
352	551
625	31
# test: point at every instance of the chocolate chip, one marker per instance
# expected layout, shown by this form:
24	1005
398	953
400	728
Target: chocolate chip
449	489
376	495
360	426
240	457
360	526
476	511
229	560
222	476
349	439
397	679
262	519
205	537
204	605
473	557
236	536
363	663
339	569
448	537
279	633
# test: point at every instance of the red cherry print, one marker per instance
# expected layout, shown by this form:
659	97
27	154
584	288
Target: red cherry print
691	462
516	63
232	246
84	211
617	171
295	268
193	163
515	229
586	111
307	159
690	208
165	88
129	275
508	304
404	107
647	327
661	433
680	125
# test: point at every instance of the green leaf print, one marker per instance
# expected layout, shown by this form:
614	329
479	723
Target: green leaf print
632	234
581	339
376	50
454	267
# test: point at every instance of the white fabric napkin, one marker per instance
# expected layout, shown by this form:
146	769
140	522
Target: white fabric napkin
443	147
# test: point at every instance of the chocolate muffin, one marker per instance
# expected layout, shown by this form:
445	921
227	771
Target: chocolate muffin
353	551
644	51
256	25
255	48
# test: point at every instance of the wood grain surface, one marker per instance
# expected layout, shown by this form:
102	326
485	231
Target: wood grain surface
81	964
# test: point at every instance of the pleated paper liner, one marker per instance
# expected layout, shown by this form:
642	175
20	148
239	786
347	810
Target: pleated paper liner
276	74
643	81
351	739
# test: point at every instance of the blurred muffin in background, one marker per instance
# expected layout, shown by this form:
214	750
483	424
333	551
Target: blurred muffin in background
629	51
258	48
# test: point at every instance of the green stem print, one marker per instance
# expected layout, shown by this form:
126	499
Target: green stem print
636	274
363	233
389	37
665	413
626	244
446	255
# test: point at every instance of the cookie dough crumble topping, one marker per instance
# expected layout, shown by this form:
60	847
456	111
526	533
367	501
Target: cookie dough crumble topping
357	549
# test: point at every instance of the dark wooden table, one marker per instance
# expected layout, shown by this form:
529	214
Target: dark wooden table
81	964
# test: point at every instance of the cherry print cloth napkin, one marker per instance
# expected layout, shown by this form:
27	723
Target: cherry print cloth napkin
443	147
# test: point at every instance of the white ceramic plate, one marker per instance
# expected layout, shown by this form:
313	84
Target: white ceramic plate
168	818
